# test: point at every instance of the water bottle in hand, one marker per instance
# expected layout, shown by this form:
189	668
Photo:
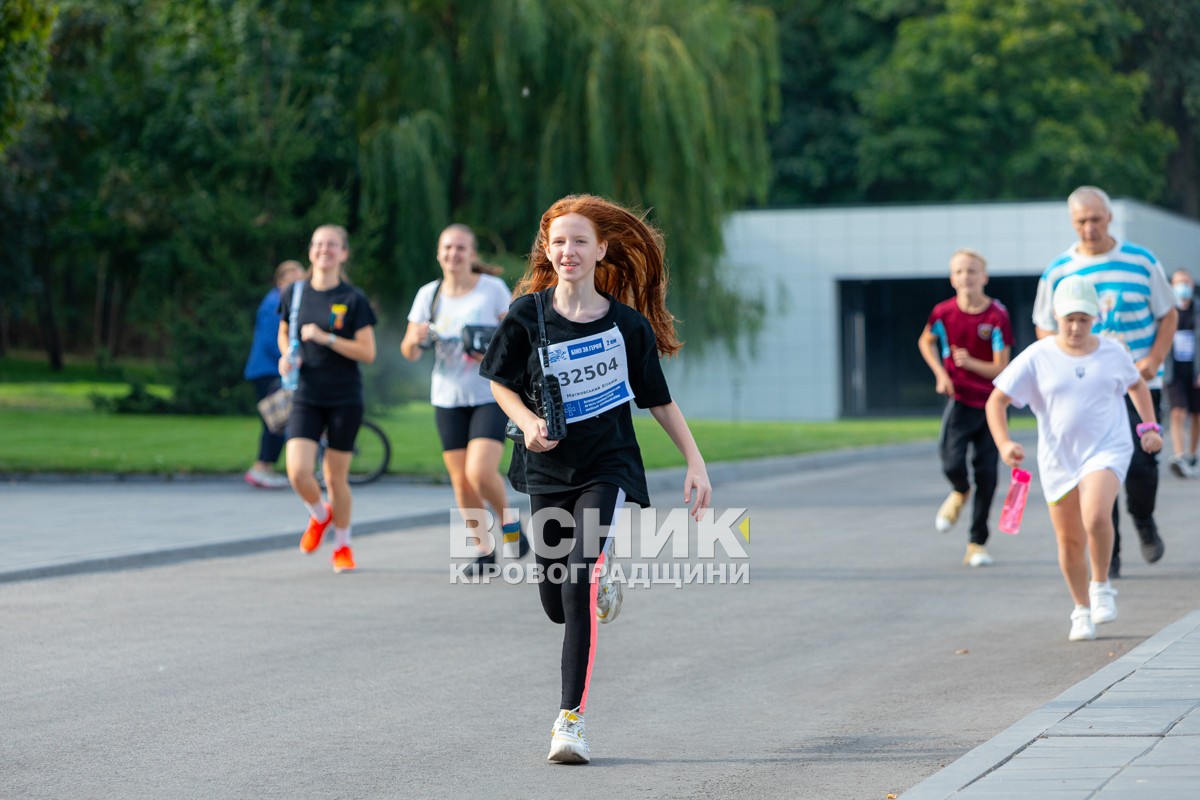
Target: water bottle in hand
1014	501
292	379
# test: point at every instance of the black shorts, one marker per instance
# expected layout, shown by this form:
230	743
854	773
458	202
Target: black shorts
457	426
1182	390
339	423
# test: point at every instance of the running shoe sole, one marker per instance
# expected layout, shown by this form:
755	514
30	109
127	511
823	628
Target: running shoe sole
565	752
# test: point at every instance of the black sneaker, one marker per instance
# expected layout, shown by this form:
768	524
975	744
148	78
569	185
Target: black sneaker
1114	566
1152	543
475	568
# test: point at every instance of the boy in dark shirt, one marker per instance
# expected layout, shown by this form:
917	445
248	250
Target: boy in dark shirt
966	343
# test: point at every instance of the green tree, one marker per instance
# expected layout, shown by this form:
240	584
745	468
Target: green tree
499	108
828	51
24	53
1167	50
1009	99
188	146
25	27
175	165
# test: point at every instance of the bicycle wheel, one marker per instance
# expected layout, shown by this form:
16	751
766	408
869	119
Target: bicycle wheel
372	453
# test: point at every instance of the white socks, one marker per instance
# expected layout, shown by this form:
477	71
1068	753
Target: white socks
341	536
317	511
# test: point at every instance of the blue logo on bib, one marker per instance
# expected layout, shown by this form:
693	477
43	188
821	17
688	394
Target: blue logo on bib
585	349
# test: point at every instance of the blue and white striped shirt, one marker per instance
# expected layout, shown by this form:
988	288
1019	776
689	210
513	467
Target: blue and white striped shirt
1133	290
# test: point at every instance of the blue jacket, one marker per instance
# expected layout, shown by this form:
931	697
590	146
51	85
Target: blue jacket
264	350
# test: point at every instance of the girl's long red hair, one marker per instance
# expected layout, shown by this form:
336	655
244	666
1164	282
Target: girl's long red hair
634	269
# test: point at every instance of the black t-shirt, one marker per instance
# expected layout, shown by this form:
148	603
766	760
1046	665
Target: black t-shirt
599	449
1186	322
1187	318
328	378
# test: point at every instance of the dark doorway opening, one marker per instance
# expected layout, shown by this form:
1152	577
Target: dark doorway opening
883	373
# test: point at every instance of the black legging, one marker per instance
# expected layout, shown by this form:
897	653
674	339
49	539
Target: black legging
1141	482
568	586
963	425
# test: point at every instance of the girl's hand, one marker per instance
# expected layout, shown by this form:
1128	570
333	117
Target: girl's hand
1012	453
311	331
697	481
535	437
420	333
1151	442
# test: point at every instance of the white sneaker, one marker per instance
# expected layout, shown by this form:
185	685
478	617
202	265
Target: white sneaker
1104	605
266	480
1082	627
1180	467
568	745
608	591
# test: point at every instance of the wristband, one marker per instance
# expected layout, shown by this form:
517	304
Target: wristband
332	339
1147	427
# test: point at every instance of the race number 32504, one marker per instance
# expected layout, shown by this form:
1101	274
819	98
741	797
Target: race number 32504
587	373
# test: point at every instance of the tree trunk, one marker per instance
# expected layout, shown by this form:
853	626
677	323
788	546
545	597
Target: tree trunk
113	316
98	310
4	342
46	316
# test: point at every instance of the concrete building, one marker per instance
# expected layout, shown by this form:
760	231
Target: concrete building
848	291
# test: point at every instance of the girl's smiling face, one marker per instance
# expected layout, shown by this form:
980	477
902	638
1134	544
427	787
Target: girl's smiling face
574	248
456	250
327	250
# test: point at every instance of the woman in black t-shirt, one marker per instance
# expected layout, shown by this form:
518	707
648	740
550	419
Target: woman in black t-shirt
598	274
336	332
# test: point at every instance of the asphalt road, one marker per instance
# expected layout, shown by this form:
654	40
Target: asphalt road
859	659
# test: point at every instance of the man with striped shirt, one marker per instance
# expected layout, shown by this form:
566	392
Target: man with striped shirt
1137	307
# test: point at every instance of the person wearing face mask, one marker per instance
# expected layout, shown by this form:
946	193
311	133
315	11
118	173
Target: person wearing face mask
1182	370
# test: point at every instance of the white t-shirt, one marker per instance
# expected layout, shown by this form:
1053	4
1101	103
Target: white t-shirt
456	379
1079	402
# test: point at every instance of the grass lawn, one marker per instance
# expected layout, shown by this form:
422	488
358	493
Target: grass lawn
48	424
79	441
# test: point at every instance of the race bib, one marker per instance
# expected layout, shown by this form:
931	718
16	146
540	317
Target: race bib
1185	345
593	373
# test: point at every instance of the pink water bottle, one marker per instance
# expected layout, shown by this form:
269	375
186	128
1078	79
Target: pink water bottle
1014	501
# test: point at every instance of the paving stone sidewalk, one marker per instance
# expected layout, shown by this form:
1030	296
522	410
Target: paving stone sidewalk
1129	732
67	527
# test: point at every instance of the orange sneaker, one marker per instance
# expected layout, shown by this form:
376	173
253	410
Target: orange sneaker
343	559
311	539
